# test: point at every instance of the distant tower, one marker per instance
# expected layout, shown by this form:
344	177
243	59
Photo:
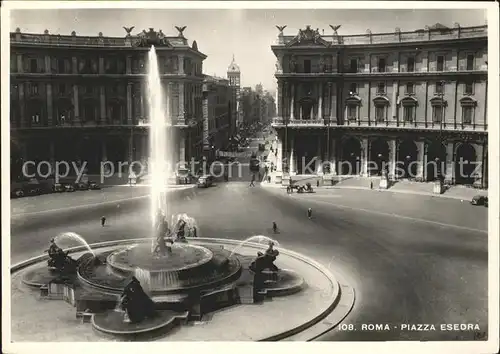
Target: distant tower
234	76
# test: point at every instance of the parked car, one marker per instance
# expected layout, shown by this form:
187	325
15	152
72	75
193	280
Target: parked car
58	188
479	200
82	186
205	181
69	187
94	186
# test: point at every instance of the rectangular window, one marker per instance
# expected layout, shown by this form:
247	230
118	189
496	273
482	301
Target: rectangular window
381	88
467	114
62	89
307	66
470	62
353	66
33	66
381	65
408	113
410	89
380	113
439	88
410	64
13	63
34	89
440	63
437	114
353	88
60	66
468	90
352	112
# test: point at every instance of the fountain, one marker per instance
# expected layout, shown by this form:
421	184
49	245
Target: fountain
171	276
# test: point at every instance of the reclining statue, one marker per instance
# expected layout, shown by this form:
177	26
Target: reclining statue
136	303
265	260
59	260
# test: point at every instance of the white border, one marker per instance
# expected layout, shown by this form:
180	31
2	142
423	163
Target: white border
230	347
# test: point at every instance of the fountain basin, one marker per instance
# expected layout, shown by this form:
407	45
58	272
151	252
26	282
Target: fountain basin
188	268
310	303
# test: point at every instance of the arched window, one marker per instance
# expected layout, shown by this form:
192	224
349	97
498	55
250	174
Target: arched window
438	109
352	104
381	103
409	108
468	105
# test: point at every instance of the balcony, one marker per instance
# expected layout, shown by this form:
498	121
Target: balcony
279	121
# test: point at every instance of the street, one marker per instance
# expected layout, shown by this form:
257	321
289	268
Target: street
411	259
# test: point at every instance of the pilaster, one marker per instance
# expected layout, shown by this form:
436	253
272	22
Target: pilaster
102	98
20	66
128	65
320	103
425	61
129	103
394	103
292	102
22	105
181	102
50	111
181	65
76	105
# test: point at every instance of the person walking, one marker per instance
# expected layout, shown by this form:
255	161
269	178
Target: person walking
103	221
309	213
275	227
252	184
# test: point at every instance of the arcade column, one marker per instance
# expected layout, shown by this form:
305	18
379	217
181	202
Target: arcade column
182	148
393	153
279	156
364	157
293	167
104	151
319	160
479	166
333	156
450	164
52	154
421	161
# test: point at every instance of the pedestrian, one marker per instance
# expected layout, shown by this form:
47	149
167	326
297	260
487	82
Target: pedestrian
371	184
317	183
275	227
252	181
103	221
309	213
268	179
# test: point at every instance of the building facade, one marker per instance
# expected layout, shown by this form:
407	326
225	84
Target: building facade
234	77
85	98
219	109
415	102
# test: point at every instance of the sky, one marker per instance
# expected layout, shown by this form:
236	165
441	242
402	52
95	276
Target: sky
246	34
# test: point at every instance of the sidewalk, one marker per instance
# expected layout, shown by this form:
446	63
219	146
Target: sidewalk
406	187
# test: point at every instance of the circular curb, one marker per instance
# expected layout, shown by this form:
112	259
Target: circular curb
334	299
168	322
